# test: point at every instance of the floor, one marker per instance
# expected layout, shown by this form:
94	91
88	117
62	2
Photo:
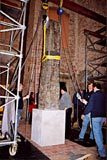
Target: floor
68	151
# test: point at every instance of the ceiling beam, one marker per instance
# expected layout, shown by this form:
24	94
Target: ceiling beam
101	30
81	10
95	34
9	3
14	12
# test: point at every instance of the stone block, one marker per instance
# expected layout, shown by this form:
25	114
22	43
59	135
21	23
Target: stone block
48	127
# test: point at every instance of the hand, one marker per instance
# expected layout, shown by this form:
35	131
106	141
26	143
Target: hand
105	122
84	101
27	97
78	96
65	108
82	116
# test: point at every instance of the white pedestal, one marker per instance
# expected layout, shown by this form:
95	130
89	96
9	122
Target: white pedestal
48	127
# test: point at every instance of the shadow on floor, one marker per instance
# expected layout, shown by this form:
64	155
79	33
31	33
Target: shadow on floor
73	135
26	151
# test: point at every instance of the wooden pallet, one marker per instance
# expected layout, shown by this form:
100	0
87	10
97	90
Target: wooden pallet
85	157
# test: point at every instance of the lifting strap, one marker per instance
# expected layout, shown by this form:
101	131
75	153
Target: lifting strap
61	3
47	57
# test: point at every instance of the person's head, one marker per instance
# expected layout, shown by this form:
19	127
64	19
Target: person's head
32	94
97	86
63	89
80	90
90	86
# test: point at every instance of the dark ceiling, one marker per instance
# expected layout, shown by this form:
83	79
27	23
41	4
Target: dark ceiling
81	10
13	9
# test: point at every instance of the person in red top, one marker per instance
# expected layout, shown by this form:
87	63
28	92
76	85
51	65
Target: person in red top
31	106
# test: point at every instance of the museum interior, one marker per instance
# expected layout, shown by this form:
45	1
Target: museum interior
51	52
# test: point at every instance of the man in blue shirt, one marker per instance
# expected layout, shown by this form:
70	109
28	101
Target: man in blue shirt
97	108
86	119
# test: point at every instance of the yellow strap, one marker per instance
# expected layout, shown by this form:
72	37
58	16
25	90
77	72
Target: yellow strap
61	3
50	57
45	6
46	57
44	47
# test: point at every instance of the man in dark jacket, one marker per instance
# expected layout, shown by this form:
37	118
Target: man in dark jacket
20	103
97	108
86	119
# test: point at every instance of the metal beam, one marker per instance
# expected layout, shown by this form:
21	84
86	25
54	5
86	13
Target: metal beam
101	30
95	34
10	10
81	10
6	2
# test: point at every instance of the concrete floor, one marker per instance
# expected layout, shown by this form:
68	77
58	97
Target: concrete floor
67	151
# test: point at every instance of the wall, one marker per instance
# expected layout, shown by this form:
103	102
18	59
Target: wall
75	51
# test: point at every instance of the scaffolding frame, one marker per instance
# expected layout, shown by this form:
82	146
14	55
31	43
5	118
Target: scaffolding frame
95	57
11	53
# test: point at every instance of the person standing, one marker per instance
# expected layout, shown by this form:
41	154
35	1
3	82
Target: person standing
31	106
65	104
20	102
86	118
97	108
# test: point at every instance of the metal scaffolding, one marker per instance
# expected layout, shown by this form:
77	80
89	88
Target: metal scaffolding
12	29
95	56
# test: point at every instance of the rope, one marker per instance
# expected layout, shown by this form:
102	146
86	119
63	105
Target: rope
60	21
35	73
73	77
70	66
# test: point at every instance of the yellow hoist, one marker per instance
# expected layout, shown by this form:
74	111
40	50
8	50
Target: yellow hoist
46	22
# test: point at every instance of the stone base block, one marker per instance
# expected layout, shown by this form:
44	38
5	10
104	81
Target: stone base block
48	127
